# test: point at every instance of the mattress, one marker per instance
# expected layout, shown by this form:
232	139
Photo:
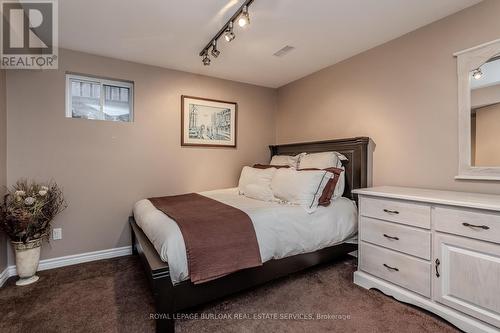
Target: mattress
282	230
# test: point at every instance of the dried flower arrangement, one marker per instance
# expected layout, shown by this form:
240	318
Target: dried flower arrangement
28	209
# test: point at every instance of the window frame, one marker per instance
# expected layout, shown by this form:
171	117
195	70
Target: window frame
102	82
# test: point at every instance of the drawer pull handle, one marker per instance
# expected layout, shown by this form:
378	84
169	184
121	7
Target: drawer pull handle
437	266
391	268
391	211
391	237
484	227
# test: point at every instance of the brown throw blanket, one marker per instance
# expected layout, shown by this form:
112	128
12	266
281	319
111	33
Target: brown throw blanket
219	239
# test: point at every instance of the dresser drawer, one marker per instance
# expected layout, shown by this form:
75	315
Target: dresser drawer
416	242
408	272
469	223
409	213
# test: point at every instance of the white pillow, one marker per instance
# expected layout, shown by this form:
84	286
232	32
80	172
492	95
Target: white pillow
300	187
326	160
260	177
291	161
259	192
320	161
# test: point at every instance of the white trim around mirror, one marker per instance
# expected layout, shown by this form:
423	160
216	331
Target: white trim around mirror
467	61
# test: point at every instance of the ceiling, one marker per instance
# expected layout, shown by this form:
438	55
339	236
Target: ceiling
170	33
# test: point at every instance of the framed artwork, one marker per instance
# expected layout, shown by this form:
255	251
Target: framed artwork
208	122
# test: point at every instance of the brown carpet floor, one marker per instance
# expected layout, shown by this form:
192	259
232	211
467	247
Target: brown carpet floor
113	296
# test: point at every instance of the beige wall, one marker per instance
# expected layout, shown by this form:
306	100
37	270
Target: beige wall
3	163
487	143
403	94
105	167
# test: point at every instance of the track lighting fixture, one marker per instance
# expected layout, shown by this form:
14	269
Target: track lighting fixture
244	17
229	34
477	73
227	30
215	52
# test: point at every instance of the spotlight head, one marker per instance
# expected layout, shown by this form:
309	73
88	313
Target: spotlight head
477	73
215	52
229	34
244	17
206	60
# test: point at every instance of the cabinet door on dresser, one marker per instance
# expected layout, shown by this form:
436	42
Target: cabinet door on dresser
467	276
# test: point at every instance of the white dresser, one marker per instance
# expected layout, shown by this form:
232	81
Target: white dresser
438	250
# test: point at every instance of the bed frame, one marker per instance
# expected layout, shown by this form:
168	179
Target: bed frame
170	299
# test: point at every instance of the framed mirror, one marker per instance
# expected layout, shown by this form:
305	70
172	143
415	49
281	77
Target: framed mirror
479	112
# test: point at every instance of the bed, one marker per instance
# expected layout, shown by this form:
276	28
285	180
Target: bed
174	292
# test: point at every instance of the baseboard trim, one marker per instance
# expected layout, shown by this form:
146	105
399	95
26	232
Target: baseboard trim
71	260
462	321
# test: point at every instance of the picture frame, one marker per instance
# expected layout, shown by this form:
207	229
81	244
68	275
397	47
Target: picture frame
208	122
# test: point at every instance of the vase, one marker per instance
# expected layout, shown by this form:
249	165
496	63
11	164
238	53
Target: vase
27	259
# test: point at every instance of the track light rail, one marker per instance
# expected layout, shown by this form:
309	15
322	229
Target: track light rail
205	51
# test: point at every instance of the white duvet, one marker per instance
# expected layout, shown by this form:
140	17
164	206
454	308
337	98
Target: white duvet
282	230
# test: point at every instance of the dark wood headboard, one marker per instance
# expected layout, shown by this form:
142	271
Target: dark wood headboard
355	149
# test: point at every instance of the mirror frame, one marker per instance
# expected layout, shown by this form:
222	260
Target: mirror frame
467	61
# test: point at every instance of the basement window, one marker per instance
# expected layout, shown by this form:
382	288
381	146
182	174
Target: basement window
95	98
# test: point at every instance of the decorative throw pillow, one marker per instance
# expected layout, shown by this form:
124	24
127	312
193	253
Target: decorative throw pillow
323	161
266	166
291	161
300	188
329	190
261	177
340	186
